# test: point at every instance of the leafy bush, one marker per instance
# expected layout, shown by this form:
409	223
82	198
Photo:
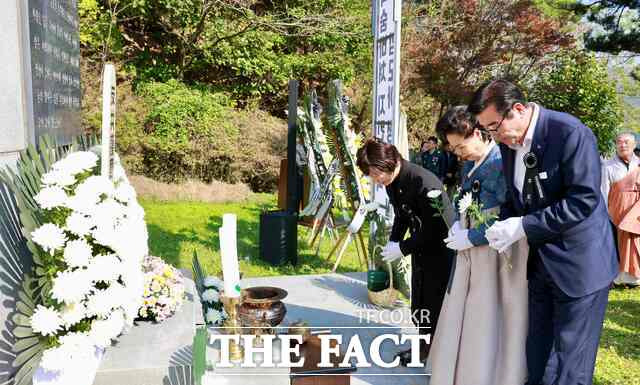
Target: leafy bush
579	84
172	132
193	133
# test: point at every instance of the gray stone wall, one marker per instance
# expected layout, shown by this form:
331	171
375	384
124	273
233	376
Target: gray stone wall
39	94
15	129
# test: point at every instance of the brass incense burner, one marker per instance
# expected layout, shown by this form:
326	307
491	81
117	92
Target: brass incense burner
262	308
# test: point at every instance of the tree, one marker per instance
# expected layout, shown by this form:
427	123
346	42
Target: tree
579	84
617	24
457	44
249	48
451	46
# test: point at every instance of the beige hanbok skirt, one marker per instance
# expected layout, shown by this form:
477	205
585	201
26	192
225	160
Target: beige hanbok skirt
482	329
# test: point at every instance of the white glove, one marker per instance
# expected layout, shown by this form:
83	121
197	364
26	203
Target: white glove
391	252
503	234
459	240
455	228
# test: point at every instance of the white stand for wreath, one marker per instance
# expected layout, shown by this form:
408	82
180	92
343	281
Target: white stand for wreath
72	374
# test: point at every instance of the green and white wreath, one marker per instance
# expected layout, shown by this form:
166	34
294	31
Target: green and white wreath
88	238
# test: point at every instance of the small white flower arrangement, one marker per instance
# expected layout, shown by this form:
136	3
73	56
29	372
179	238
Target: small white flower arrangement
436	200
214	313
473	210
163	290
91	245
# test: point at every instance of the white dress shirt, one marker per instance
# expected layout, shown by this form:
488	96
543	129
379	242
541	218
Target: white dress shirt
519	168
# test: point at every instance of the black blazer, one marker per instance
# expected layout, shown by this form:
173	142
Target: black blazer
413	210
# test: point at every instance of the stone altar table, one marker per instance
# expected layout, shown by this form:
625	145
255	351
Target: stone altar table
329	301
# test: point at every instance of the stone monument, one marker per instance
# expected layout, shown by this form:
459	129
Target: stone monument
40	76
40	94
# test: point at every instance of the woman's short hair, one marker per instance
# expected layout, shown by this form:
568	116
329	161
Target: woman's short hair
376	153
458	121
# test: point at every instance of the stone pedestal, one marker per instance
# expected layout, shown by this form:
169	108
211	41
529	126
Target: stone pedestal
155	354
337	303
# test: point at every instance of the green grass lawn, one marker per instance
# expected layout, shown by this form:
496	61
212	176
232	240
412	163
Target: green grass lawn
176	229
619	354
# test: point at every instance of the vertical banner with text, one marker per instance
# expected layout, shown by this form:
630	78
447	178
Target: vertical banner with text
386	81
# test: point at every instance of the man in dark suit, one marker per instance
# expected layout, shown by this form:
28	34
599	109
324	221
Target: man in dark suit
552	169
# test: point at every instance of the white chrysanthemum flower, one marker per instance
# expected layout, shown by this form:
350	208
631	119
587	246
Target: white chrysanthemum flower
125	193
105	234
213	316
103	331
94	187
55	359
433	194
77	162
100	303
46	321
49	236
465	203
130	309
79	224
72	314
117	293
77	253
50	197
81	348
71	286
104	268
82	204
109	211
130	241
135	211
57	178
212	281
132	275
210	295
78	342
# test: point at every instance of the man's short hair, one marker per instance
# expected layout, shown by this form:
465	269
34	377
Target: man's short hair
499	92
626	134
433	139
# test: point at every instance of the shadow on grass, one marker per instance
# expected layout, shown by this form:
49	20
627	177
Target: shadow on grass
624	315
170	245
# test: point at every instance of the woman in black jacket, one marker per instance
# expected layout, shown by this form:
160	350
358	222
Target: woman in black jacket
407	186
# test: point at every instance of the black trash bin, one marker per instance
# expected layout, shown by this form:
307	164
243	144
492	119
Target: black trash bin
279	237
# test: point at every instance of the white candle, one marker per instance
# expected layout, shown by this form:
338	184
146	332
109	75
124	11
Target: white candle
229	257
229	220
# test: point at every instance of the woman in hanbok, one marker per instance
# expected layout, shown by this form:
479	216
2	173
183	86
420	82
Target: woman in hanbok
483	322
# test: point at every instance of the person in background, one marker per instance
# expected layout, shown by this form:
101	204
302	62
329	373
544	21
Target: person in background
621	191
407	186
623	162
424	147
452	170
433	159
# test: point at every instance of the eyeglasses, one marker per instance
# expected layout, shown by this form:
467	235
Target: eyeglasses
495	128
